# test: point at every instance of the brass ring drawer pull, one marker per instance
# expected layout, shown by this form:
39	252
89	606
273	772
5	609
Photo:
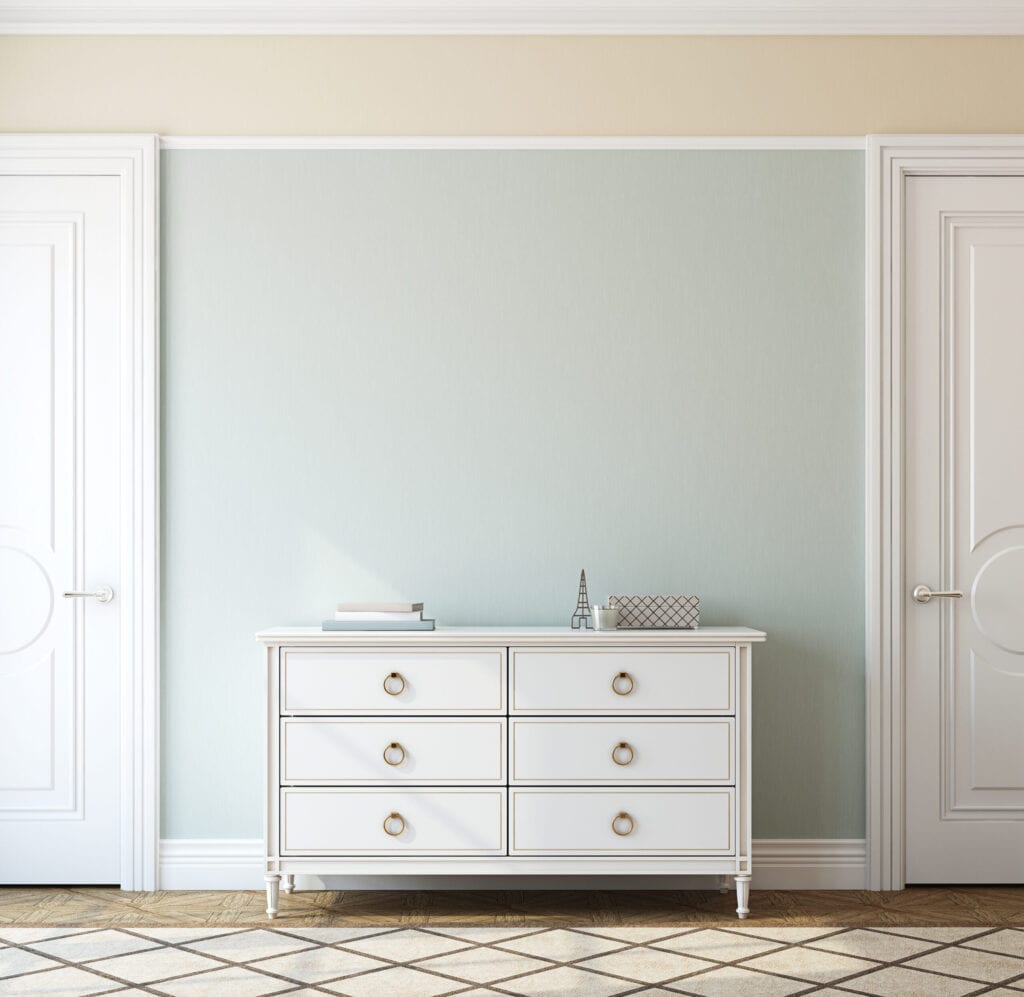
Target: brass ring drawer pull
623	818
394	746
389	820
389	684
618	750
617	682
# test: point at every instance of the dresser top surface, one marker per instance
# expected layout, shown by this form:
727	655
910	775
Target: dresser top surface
518	636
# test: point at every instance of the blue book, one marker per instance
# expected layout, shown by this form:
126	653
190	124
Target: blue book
378	625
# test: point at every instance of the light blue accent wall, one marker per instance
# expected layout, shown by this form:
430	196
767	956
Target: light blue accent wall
462	376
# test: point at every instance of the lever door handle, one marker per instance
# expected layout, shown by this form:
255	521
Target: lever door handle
105	594
924	594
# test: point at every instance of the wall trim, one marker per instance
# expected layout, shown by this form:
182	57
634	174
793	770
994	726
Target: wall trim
513	142
779	864
809	863
211	864
134	160
890	160
491	17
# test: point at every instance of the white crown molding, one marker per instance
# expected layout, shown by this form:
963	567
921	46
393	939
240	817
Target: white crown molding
543	17
513	142
779	864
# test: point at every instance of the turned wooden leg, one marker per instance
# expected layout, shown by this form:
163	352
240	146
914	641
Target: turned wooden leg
273	881
723	884
288	882
742	896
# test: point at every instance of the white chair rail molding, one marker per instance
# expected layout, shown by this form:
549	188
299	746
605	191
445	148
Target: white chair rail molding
494	751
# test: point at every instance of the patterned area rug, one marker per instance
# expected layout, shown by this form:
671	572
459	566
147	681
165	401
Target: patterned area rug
545	962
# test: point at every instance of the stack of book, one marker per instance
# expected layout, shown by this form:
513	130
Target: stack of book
379	616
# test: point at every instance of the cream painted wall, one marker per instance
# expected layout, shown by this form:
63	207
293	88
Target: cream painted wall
512	85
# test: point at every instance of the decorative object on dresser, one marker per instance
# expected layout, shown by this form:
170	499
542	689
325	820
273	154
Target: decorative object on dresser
379	611
507	751
581	617
657	612
605	617
379	616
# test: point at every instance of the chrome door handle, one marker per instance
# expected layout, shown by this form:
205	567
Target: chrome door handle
924	594
105	594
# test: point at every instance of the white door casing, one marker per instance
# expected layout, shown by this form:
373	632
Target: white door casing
79	736
941	508
964	529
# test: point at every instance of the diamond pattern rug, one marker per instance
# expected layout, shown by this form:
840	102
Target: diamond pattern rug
386	961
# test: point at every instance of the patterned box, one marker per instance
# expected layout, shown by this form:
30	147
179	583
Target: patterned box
657	612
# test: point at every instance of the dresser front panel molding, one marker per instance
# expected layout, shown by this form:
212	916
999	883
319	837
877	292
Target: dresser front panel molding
515	750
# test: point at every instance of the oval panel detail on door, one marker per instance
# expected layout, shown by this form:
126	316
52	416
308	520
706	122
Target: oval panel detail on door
996	600
26	599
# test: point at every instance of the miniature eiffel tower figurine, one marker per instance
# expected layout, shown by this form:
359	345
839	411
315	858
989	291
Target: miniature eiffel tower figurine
582	615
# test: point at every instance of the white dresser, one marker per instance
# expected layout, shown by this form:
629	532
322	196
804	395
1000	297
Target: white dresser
522	750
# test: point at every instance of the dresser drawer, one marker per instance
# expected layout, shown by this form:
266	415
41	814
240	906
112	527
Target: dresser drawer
322	680
319	751
389	821
648	821
644	751
686	681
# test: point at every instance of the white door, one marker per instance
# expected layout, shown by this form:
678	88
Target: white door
61	315
964	455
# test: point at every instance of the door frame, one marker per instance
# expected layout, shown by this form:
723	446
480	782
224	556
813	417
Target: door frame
891	159
134	161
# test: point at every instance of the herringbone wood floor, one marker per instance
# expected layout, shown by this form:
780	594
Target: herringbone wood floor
917	906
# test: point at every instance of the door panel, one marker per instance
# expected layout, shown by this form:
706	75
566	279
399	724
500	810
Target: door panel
965	529
37	515
988	366
60	316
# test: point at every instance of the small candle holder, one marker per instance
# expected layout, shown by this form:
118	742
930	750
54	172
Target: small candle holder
605	617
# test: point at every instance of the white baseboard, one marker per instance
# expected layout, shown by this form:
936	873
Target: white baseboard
211	864
779	864
810	864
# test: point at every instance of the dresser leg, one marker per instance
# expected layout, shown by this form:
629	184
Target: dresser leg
742	896
288	882
273	880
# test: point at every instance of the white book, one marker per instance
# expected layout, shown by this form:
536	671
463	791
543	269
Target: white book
343	614
379	607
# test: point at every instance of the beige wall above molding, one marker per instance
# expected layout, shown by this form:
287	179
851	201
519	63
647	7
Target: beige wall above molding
511	85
